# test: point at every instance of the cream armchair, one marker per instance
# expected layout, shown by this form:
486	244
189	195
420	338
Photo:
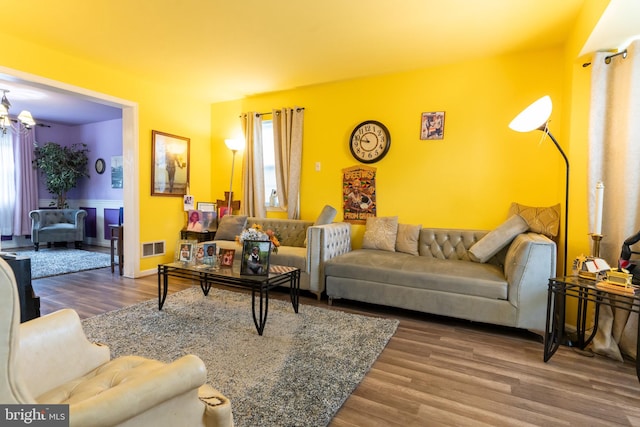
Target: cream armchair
49	360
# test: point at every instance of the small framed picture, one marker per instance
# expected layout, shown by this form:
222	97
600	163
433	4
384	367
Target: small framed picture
199	254
185	251
432	125
255	257
194	221
226	257
210	253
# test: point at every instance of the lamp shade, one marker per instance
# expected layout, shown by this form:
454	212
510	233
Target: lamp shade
234	144
26	118
535	116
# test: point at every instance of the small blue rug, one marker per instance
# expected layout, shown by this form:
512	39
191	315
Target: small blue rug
55	261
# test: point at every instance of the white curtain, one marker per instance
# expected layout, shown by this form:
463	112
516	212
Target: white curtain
253	167
26	183
614	159
7	184
287	138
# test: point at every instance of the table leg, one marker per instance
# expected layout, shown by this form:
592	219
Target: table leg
205	285
554	329
294	289
260	320
163	285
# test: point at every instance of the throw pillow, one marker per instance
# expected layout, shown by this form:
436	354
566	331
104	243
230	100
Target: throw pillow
380	233
492	242
407	238
542	220
231	226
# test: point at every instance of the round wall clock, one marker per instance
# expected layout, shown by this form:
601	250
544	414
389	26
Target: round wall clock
100	166
370	141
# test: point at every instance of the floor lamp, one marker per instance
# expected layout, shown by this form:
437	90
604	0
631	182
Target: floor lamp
234	145
536	117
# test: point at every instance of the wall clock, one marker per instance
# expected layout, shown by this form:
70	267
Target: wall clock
370	141
100	166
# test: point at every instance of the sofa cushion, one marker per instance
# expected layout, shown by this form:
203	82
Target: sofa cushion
497	239
542	220
407	238
291	256
380	233
400	269
231	226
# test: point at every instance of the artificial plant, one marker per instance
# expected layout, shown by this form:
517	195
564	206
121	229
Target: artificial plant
62	167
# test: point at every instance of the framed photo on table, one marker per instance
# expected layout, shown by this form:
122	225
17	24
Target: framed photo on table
226	257
255	257
169	164
185	251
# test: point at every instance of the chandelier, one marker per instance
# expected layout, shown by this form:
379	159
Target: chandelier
25	119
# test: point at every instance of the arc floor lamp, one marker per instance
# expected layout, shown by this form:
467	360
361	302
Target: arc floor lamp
536	117
234	145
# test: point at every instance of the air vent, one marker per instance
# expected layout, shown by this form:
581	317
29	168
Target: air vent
150	249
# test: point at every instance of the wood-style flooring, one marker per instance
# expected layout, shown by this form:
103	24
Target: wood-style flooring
434	371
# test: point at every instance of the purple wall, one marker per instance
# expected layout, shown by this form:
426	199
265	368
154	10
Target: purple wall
104	140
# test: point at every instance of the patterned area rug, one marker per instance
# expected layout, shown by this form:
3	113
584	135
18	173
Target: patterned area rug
298	373
54	261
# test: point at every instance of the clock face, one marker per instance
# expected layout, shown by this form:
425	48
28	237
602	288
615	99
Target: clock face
370	141
100	166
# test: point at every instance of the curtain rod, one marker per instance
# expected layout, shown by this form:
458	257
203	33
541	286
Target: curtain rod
298	109
607	59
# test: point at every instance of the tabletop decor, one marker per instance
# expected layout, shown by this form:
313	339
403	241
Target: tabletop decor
256	232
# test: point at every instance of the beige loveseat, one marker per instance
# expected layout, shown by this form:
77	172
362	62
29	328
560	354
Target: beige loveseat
438	276
303	245
48	360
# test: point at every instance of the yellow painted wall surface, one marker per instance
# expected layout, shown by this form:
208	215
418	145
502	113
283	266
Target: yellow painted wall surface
466	180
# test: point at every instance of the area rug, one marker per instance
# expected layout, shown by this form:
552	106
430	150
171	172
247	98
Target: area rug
54	261
298	373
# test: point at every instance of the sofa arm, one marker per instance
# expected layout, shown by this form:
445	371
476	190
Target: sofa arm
54	350
323	243
529	263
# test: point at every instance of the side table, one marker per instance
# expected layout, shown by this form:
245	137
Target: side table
117	245
200	236
585	292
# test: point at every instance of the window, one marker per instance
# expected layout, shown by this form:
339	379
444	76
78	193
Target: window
269	163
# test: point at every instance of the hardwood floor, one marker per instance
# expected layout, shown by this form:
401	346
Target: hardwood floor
434	371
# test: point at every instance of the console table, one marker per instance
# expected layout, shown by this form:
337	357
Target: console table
200	236
585	292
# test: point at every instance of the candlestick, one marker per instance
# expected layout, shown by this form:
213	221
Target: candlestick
596	245
597	222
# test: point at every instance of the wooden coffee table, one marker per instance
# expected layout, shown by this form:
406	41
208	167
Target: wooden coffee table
230	276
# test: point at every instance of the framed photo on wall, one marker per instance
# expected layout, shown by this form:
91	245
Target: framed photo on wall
169	164
255	257
432	125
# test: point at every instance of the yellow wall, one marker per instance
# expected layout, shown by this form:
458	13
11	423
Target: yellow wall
466	180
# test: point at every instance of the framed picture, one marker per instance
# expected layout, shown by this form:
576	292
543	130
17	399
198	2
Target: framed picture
209	215
185	251
194	221
199	259
255	257
226	257
117	171
210	253
169	164
432	125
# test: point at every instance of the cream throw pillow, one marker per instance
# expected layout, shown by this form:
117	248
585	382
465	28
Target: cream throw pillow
542	220
407	238
492	242
380	233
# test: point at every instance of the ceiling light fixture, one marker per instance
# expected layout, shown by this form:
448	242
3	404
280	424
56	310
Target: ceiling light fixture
24	118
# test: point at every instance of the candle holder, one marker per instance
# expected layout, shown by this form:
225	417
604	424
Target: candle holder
596	244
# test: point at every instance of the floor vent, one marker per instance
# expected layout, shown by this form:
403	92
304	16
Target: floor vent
152	249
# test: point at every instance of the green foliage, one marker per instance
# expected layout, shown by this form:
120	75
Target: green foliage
62	168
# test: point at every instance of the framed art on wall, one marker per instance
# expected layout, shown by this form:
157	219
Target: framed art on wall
169	164
432	125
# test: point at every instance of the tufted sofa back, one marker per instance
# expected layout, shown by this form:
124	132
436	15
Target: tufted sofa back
445	243
57	216
290	232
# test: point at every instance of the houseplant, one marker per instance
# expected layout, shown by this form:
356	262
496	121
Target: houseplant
62	167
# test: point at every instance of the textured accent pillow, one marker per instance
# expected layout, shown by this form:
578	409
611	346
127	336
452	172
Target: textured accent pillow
231	226
492	242
380	233
407	238
542	220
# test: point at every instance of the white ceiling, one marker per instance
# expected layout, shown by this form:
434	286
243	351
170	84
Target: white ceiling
222	50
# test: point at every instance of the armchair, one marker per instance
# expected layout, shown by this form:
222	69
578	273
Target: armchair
57	225
49	360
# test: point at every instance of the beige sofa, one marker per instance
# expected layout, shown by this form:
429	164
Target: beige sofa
441	278
303	245
49	361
